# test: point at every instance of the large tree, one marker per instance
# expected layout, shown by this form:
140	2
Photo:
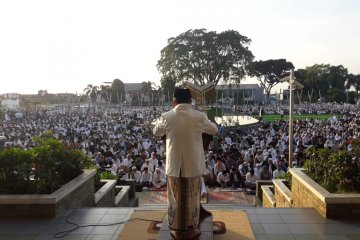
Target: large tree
105	92
201	57
147	88
168	85
325	81
270	72
353	81
117	91
147	91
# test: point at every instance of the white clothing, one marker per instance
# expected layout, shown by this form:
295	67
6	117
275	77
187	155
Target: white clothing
183	127
146	177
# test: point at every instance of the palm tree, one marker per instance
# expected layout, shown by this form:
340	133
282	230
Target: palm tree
87	91
105	92
91	92
147	89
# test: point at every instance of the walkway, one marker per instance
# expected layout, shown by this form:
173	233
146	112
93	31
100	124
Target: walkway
267	223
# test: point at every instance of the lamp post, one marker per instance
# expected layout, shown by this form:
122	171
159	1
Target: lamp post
293	85
291	117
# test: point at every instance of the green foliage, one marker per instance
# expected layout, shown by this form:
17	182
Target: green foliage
353	81
168	85
336	171
286	177
270	72
107	175
201	57
42	169
336	95
352	97
15	171
273	118
117	91
326	81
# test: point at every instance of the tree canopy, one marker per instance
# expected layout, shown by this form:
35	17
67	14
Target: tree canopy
117	91
270	72
168	85
201	57
326	81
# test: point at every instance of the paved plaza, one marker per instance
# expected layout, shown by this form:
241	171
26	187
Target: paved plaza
267	223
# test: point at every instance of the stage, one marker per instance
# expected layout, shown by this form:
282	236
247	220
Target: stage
227	224
233	121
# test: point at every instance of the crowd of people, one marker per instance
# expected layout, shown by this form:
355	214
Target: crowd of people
121	141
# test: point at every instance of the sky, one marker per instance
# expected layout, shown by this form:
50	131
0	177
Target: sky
62	46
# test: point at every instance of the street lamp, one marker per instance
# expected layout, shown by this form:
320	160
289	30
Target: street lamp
293	85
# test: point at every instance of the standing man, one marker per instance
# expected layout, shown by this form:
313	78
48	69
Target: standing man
185	162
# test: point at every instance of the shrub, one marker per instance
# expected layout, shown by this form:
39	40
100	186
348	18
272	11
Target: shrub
42	169
337	171
107	175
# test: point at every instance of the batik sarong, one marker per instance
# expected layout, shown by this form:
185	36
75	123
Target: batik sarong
183	203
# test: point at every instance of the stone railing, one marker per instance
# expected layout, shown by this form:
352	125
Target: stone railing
283	195
105	196
307	193
79	192
268	198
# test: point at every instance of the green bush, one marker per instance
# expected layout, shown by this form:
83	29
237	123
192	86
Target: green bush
42	169
107	175
337	171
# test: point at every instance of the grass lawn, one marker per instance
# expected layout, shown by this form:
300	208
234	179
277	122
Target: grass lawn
272	118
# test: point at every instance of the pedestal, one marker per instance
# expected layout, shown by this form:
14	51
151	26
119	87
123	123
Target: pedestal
205	226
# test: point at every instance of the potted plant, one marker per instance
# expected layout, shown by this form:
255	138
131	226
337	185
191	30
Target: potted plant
329	182
44	180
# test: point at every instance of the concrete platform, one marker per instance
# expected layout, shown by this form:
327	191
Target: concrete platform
107	223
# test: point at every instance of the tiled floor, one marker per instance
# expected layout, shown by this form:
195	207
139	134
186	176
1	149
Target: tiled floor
105	224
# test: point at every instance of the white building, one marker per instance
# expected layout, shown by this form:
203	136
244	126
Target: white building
241	93
10	101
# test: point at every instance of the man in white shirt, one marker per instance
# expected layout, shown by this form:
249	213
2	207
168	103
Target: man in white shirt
208	176
278	172
122	175
258	170
159	178
135	175
128	161
228	140
148	165
219	166
183	127
153	160
223	178
250	179
146	178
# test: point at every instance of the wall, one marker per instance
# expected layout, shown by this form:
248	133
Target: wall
307	193
105	196
268	198
283	196
77	193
